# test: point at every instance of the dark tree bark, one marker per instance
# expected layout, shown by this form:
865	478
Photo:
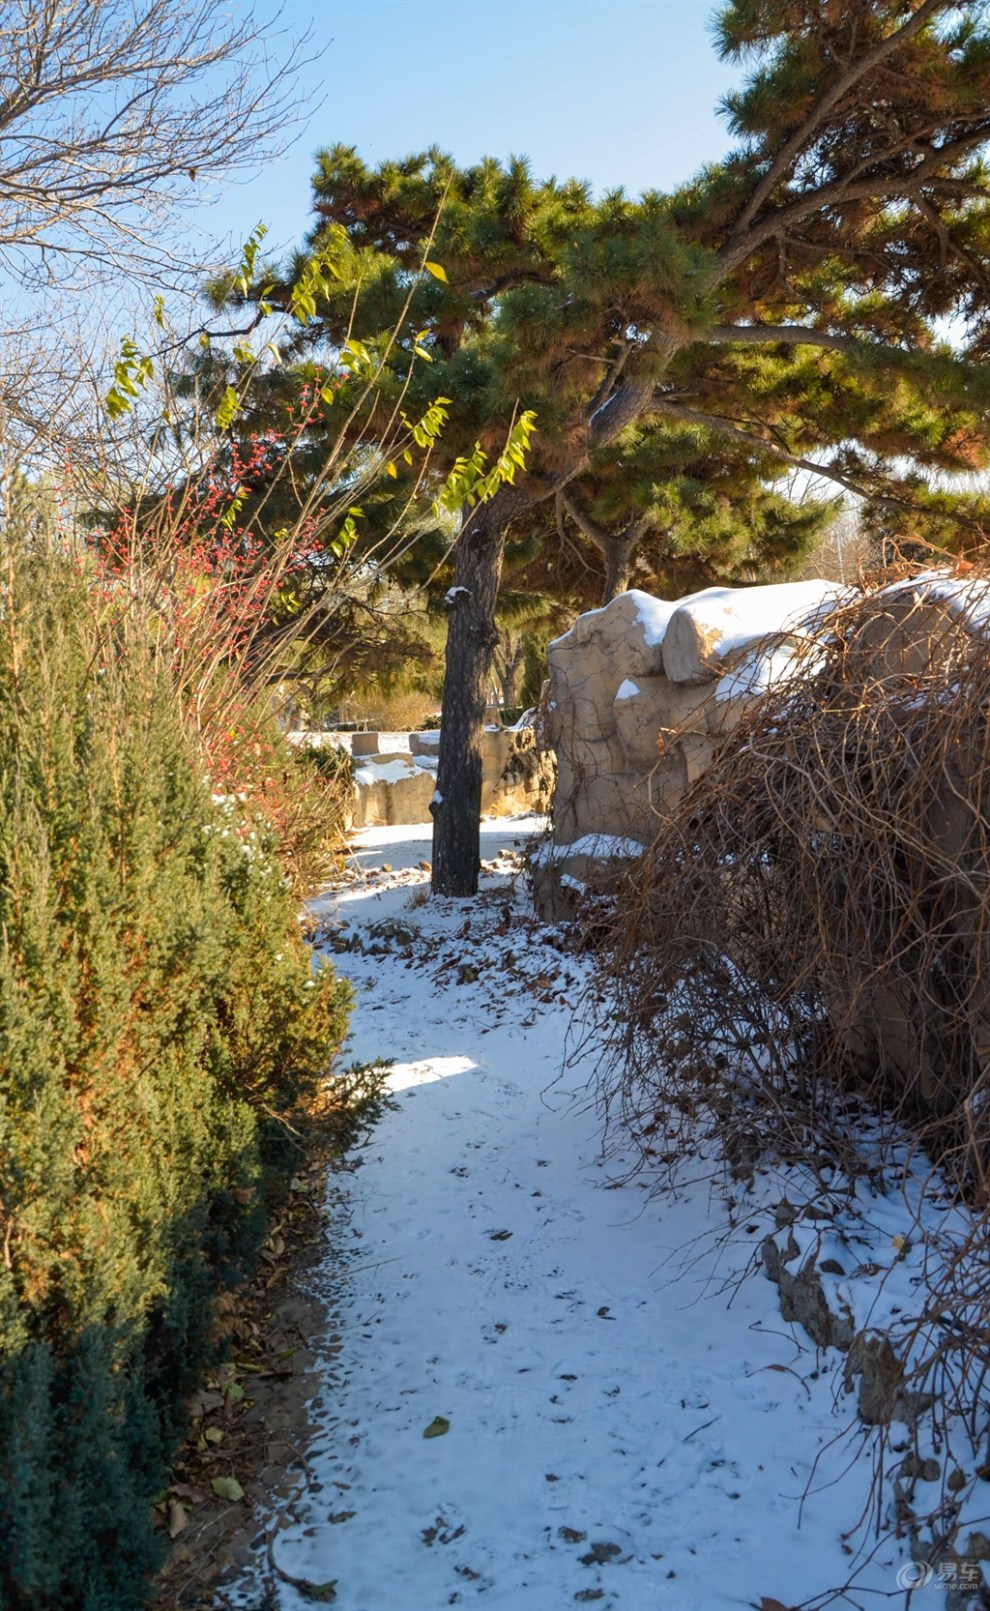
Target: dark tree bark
618	564
472	637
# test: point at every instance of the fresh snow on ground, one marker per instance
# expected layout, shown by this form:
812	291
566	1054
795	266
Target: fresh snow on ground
630	1422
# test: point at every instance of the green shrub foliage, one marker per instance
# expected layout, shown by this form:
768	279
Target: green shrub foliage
158	1015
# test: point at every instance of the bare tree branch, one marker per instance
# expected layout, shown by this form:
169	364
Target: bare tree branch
113	113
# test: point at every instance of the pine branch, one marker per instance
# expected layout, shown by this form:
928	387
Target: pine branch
603	539
878	187
806	131
790	335
830	472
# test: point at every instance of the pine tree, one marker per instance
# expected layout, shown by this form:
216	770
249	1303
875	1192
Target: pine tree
785	301
670	507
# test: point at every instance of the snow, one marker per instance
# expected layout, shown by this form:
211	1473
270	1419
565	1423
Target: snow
626	690
592	844
740	615
653	615
762	669
968	600
631	1421
383	772
315	739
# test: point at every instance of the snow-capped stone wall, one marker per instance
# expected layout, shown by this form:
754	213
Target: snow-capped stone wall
395	773
395	788
641	690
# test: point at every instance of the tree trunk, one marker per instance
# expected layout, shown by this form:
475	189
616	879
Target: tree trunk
471	640
509	657
618	564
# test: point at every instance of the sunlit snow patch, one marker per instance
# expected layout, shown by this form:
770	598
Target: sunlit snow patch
404	1075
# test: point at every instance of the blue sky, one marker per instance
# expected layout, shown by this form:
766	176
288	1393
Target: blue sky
618	92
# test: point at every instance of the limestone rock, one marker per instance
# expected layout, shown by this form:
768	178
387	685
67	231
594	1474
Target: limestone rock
697	751
517	774
646	711
882	1396
642	690
564	875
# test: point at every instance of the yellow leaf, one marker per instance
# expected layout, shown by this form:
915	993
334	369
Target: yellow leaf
393	472
437	270
227	1488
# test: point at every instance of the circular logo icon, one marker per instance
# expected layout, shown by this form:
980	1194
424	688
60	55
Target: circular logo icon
915	1575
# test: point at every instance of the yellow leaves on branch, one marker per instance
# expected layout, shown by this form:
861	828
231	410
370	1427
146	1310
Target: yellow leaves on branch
470	482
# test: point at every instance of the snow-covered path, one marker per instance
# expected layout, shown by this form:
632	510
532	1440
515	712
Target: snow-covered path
630	1423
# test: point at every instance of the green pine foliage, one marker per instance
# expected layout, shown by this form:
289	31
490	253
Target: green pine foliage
158	1014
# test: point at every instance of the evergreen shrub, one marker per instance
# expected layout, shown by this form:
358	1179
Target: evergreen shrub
159	1015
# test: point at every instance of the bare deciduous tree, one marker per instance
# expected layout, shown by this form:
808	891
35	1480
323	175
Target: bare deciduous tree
113	113
114	117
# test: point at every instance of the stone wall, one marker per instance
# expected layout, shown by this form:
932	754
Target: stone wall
641	692
395	774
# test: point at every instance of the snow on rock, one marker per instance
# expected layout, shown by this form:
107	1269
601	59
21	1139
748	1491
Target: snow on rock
968	599
563	875
637	616
592	844
630	1422
705	630
390	770
632	717
394	788
605	744
762	669
391	789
